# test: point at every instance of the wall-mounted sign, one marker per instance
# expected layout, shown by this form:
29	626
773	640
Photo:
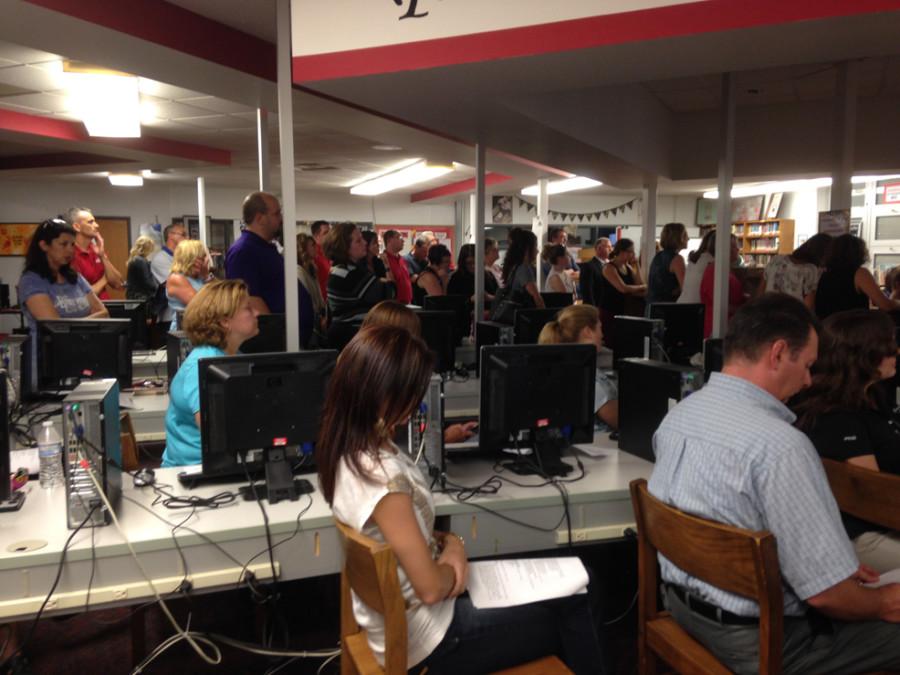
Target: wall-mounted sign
835	222
15	237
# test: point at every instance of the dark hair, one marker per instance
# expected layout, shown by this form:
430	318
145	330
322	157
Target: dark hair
847	253
437	253
369	236
622	245
254	205
168	228
522	250
318	225
707	245
673	236
359	420
814	250
552	232
770	317
555	252
337	243
466	251
851	349
36	258
388	235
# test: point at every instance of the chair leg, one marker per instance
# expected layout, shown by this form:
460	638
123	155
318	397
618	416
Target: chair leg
347	667
647	662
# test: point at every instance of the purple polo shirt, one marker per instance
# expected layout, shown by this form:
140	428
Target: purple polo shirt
259	264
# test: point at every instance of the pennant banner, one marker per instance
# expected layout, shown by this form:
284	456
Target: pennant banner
589	216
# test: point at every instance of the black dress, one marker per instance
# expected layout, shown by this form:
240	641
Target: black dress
837	293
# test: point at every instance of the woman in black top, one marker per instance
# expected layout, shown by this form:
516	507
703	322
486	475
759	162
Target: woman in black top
666	276
433	279
373	259
140	283
462	281
846	283
847	417
621	278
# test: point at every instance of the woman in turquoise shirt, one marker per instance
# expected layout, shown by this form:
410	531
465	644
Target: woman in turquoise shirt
217	321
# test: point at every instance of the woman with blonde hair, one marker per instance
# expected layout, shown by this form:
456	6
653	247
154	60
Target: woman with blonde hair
218	320
190	270
140	284
580	324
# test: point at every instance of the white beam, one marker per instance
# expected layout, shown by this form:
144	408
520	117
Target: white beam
478	228
262	149
844	135
723	211
201	211
543	212
648	225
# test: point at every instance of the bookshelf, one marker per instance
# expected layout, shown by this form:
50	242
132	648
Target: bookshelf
759	240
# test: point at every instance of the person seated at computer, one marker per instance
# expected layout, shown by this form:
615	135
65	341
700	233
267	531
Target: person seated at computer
352	288
190	270
580	324
621	279
49	288
666	276
847	417
218	320
378	490
558	281
518	269
433	279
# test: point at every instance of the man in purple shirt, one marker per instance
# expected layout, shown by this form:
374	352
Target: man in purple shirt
254	257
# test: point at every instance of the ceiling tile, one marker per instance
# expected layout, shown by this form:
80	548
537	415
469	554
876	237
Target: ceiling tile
20	54
31	77
48	103
218	105
216	122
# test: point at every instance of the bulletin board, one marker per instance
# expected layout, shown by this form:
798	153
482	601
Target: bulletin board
15	238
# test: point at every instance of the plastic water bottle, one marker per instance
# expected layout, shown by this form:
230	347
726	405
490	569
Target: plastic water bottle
50	454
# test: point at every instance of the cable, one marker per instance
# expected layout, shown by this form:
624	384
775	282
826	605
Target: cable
297	528
268	651
326	662
87	598
623	614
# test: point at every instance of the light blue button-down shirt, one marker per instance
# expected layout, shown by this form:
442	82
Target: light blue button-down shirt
729	453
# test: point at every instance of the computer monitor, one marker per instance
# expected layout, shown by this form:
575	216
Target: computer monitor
272	336
558	300
684	329
459	305
260	411
9	500
637	337
72	350
490	333
713	356
438	334
136	312
539	397
528	323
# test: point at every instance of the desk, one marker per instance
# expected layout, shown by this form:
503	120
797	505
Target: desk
149	366
600	508
149	416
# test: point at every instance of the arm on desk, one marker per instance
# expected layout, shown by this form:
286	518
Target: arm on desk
433	581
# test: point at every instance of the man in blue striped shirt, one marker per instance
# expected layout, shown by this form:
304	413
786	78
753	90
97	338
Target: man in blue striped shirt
729	453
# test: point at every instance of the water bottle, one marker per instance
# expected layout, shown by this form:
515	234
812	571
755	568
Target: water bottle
50	454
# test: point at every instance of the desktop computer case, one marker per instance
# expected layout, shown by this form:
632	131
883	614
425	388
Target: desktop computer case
91	438
432	462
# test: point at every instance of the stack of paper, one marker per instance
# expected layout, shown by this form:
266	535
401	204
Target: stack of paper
505	583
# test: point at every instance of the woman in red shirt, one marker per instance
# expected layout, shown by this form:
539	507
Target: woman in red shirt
736	295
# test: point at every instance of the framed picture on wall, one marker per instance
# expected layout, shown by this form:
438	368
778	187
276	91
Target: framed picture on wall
706	211
15	238
501	209
747	208
774	205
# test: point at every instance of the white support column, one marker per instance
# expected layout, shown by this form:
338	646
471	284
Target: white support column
286	154
648	225
262	149
201	211
723	211
844	135
543	212
478	227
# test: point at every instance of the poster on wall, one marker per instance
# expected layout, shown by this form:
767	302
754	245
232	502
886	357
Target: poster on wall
892	193
747	208
15	238
774	205
501	209
834	223
445	235
706	211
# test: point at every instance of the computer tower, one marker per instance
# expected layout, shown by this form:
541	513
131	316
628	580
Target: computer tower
91	441
684	328
637	337
647	389
428	423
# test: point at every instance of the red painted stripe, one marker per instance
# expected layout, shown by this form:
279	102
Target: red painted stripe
460	186
706	16
65	130
177	28
56	159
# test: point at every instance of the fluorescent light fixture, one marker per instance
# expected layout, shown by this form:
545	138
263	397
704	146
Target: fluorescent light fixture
774	186
419	172
107	102
566	185
126	180
866	179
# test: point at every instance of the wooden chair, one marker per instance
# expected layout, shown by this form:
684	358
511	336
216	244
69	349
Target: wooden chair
871	495
128	443
370	569
738	561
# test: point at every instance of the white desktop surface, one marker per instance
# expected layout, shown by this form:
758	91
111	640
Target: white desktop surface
600	508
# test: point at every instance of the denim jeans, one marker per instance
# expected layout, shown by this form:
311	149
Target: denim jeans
487	640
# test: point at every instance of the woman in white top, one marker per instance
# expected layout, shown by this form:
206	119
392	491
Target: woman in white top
375	488
798	274
557	279
697	262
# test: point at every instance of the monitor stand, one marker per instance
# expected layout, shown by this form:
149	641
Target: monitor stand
280	482
549	444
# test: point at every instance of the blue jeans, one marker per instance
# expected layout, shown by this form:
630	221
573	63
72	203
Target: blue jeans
487	640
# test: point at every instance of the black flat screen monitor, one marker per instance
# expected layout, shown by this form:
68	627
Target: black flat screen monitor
490	333
72	350
542	395
267	402
272	336
9	500
438	334
558	300
528	323
461	308
136	312
684	329
637	337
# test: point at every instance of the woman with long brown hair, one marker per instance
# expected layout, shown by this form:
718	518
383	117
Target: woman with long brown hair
848	418
375	488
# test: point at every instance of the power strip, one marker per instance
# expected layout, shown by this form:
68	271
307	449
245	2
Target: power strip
137	591
600	533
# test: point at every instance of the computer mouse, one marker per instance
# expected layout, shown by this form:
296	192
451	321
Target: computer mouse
144	477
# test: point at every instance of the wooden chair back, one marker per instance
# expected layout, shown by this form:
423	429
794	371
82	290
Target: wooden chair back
870	495
370	570
738	561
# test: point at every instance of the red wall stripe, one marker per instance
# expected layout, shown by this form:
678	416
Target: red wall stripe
460	186
693	18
